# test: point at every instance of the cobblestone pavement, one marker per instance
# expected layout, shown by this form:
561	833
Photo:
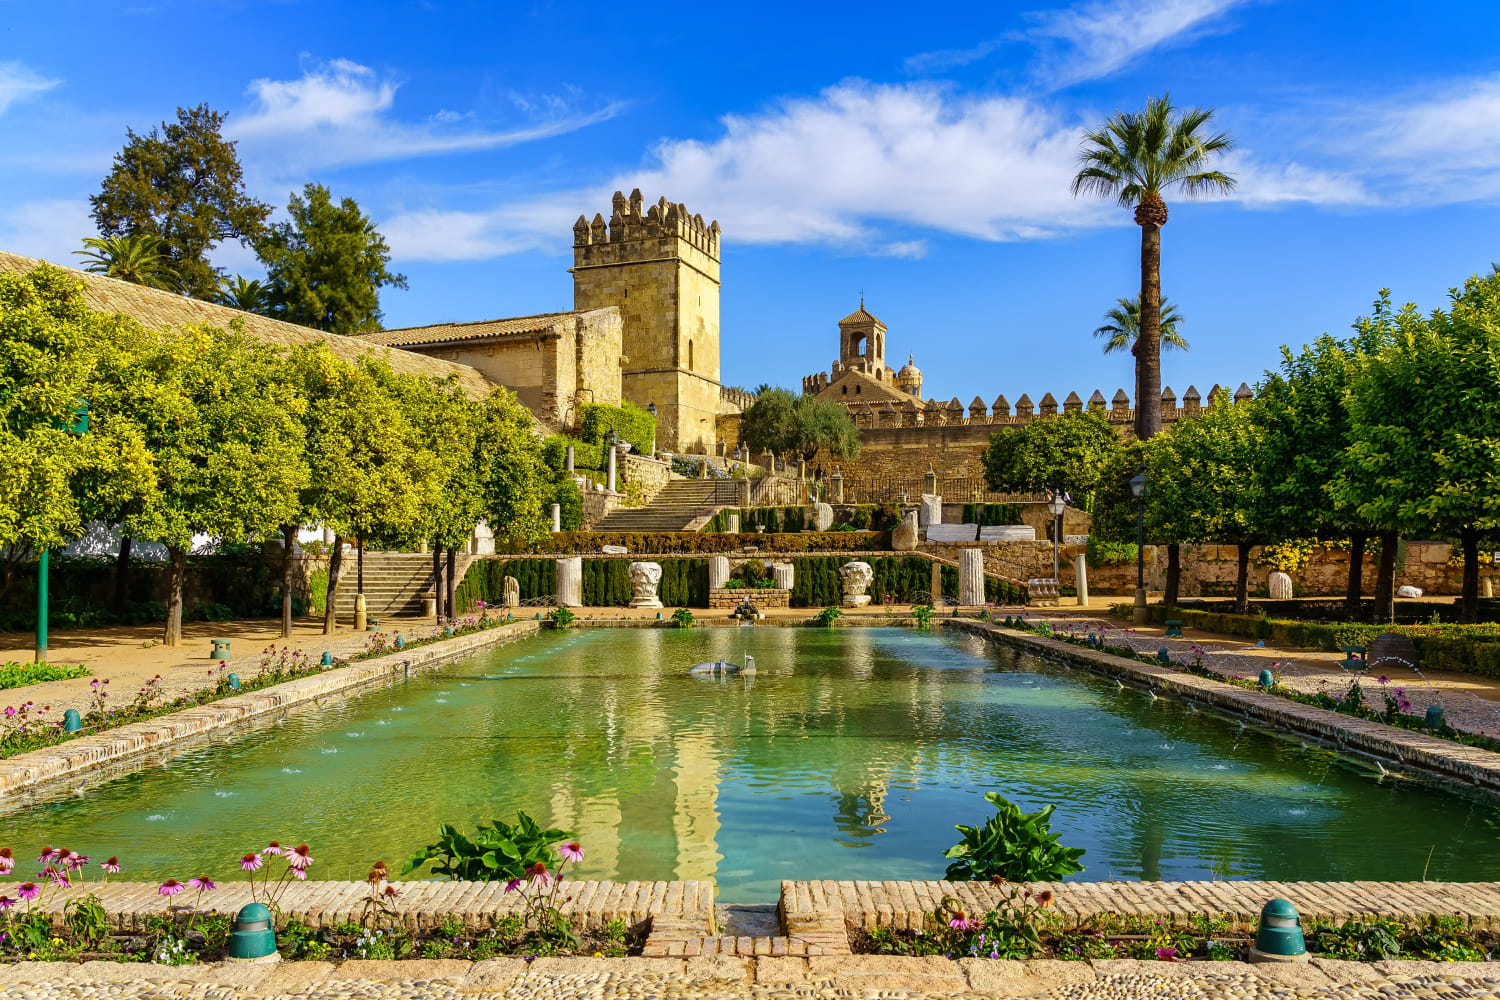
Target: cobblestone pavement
1308	671
862	977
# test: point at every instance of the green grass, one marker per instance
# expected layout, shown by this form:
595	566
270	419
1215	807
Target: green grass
14	675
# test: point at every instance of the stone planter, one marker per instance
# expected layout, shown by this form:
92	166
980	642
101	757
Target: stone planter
762	599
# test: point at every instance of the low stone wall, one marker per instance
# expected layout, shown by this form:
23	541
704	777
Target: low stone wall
596	504
29	770
651	474
762	599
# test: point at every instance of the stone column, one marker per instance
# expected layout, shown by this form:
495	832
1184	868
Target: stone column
511	587
1279	585
802	470
612	459
732	524
970	577
937	584
929	482
718	572
836	486
570	582
569	466
644	579
857	576
557	517
931	511
1081	579
782	574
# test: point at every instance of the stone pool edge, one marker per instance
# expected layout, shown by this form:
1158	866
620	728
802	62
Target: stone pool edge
1431	754
55	763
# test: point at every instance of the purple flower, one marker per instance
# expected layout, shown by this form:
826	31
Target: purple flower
1166	954
202	883
6	902
28	890
250	862
299	857
170	887
570	851
273	848
112	866
513	885
1382	679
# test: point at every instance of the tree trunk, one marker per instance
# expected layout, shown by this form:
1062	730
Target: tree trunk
176	574
288	542
1148	357
1354	592
437	578
1174	575
360	575
452	583
1242	579
1468	538
1385	580
335	564
122	577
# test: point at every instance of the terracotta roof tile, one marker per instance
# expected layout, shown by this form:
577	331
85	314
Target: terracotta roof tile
477	330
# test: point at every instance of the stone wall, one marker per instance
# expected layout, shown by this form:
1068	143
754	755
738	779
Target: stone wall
762	599
597	503
651	474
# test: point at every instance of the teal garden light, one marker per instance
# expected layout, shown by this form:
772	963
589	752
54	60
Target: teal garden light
77	423
1279	937
252	939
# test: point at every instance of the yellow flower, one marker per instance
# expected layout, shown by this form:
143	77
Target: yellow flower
598	954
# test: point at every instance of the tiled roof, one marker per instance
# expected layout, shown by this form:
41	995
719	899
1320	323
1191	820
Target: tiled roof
871	391
859	316
159	310
484	329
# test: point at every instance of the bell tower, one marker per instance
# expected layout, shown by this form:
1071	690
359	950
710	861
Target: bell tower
660	267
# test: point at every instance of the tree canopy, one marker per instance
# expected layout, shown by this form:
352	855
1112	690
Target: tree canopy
326	266
792	426
1065	454
183	184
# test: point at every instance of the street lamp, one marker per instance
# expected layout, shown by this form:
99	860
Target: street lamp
651	409
1055	507
1138	490
77	423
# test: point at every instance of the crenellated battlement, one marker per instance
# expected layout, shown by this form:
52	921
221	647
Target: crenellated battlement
634	231
1000	413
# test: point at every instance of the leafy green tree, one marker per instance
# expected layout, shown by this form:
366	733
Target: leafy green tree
182	184
51	345
325	267
219	416
245	294
514	483
136	259
792	426
1066	454
1136	158
1205	484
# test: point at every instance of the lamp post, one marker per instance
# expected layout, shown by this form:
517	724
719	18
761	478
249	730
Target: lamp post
1138	490
78	425
1055	507
651	409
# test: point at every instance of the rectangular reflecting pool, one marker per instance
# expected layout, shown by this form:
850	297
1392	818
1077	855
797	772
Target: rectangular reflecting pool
850	754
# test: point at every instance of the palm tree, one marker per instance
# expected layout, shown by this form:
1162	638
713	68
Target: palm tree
242	293
137	259
1124	327
1135	158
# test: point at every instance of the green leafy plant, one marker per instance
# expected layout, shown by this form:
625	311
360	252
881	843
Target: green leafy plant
923	614
683	617
561	617
1015	846
827	617
14	675
499	851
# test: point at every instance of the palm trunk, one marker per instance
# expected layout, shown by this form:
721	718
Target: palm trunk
1174	575
1468	538
176	574
122	577
1354	591
1385	580
1242	579
288	542
452	583
1148	357
335	564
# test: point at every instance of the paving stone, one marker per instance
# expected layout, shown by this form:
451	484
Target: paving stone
35	972
780	970
411	968
726	968
493	975
889	972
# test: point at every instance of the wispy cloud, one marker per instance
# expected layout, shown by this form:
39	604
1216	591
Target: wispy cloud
1089	40
342	113
50	229
18	82
1432	148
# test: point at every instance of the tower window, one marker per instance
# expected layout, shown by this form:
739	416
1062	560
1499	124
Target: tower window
856	390
691	366
845	390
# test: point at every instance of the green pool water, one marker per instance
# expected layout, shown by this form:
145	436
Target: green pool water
851	754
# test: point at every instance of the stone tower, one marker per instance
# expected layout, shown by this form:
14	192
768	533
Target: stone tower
862	343
660	268
909	378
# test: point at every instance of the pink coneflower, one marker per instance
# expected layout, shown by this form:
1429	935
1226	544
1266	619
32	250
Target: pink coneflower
300	873
299	857
202	883
570	851
7	860
962	923
274	848
28	890
539	874
56	876
112	865
250	862
6	902
76	861
513	885
48	853
170	887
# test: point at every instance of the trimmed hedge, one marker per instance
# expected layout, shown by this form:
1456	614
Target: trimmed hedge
629	422
585	454
992	513
693	542
1464	649
606	581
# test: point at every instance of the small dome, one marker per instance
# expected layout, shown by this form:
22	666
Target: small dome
909	370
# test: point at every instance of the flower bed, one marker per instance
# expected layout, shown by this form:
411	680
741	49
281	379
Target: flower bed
14	675
385	643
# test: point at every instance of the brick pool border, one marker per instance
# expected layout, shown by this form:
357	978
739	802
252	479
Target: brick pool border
1415	751
38	768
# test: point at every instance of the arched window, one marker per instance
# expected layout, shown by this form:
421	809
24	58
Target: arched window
856	390
691	366
844	389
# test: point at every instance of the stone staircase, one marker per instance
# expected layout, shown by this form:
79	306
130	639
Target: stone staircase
675	508
392	582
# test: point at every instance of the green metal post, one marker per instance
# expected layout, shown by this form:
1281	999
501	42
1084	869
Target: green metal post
41	608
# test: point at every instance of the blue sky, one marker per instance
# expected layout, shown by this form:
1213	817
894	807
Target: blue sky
920	154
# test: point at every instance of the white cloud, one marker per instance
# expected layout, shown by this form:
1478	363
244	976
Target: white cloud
1097	38
341	113
1267	185
1433	149
17	82
50	229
